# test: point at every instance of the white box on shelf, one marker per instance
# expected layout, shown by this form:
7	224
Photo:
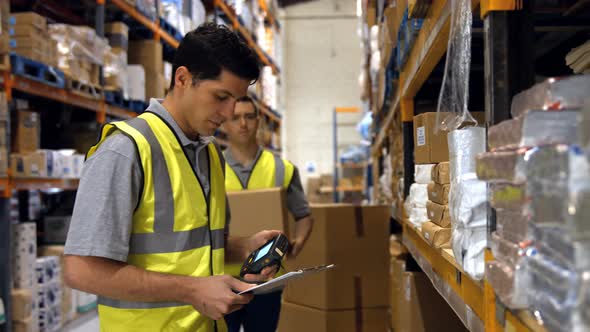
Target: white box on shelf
48	269
24	255
136	82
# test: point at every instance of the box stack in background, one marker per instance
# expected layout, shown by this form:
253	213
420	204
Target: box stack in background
437	231
4	134
115	67
29	37
248	220
541	192
80	52
25	313
4	35
355	293
68	311
316	189
148	54
49	293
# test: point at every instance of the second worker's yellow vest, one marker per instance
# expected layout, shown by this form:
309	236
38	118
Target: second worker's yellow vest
269	171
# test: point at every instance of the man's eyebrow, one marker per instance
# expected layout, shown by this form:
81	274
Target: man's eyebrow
224	91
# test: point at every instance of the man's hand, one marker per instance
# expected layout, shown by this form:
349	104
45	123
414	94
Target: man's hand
303	229
254	242
216	296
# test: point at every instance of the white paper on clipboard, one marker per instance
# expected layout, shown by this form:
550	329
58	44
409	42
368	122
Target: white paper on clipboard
279	283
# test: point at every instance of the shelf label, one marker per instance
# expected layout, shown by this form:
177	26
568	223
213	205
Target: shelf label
421	136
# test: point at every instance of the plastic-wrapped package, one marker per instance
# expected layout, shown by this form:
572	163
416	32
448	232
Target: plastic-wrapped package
78	42
507	196
562	284
173	12
561	318
417	215
554	93
509	283
454	92
468	200
512	224
505	250
558	188
557	244
535	128
115	70
464	146
423	173
418	195
468	246
468	195
502	166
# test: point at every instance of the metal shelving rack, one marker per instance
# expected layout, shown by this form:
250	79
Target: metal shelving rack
508	32
11	83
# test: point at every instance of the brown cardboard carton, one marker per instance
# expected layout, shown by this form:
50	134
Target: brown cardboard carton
31	53
439	193
327	180
3	161
119	28
441	173
439	214
396	247
4	14
17	164
27	132
423	309
22	304
398	267
27	325
154	85
147	53
4	43
3	107
29	18
256	210
436	236
431	147
297	318
321	198
26	31
356	240
313	185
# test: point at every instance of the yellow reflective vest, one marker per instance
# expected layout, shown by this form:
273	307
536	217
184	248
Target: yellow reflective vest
176	228
269	171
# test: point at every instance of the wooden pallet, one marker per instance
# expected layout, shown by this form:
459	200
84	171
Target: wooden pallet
37	71
87	90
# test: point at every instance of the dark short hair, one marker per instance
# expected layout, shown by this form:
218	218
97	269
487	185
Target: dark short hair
248	99
210	48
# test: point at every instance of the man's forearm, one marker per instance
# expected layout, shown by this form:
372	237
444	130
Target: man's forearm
237	249
122	281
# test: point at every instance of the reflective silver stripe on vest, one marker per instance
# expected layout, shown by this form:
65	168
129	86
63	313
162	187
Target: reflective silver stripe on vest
137	305
164	239
163	197
279	171
150	243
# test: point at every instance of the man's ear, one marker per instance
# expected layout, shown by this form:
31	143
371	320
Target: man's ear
182	77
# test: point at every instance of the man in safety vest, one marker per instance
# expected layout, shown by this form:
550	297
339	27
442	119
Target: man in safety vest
149	229
249	166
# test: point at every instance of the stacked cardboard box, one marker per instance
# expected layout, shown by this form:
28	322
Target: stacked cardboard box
115	68
49	292
47	164
68	310
81	52
316	189
416	305
355	293
4	36
247	221
29	37
148	53
437	231
4	134
25	311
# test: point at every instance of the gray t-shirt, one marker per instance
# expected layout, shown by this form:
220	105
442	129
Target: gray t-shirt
296	201
109	191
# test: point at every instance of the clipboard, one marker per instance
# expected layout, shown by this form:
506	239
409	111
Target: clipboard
280	282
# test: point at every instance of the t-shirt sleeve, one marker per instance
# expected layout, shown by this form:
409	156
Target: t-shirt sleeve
106	199
296	200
